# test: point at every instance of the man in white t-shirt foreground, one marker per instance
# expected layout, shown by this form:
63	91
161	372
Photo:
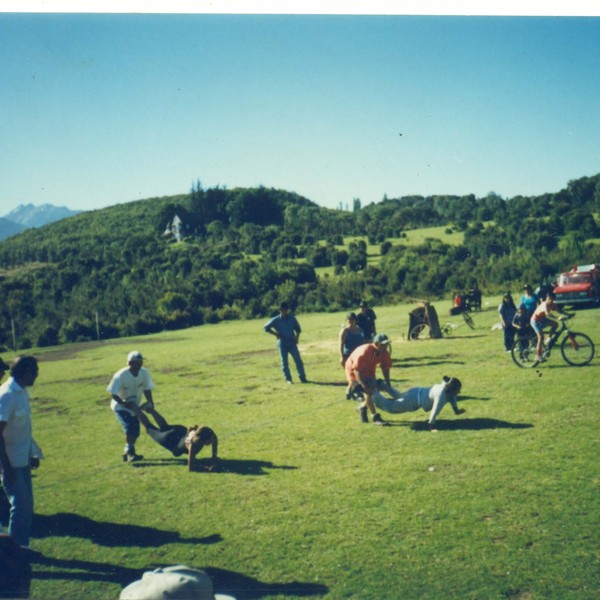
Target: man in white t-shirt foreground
127	387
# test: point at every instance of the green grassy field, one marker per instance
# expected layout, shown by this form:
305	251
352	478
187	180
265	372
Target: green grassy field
502	502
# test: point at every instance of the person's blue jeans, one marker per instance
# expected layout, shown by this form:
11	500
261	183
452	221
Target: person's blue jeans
20	495
286	348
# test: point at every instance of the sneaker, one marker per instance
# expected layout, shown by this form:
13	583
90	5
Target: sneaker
303	380
132	457
362	413
288	381
377	420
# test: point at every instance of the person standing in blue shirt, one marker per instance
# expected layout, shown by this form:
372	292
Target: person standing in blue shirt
286	329
529	300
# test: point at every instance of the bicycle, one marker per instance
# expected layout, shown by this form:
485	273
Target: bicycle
448	328
422	331
576	348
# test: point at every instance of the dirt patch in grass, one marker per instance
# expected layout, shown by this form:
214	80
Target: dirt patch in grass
69	350
49	405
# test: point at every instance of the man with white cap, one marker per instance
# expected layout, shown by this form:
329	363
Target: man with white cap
360	370
175	583
127	387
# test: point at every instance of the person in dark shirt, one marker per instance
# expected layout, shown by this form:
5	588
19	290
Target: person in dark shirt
178	439
365	319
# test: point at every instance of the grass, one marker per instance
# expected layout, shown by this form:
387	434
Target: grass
502	502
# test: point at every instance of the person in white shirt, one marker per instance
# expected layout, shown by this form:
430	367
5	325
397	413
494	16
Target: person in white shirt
19	453
432	399
127	387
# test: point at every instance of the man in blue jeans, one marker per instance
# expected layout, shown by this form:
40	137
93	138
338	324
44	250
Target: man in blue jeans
286	329
19	453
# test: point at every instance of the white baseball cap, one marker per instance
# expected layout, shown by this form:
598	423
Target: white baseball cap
134	355
174	583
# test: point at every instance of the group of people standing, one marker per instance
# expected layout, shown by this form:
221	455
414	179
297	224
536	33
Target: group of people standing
361	348
361	351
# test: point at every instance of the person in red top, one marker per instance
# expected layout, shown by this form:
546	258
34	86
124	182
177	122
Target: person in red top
360	369
540	319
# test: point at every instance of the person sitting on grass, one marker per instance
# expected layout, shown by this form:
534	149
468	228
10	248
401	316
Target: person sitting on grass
432	398
178	439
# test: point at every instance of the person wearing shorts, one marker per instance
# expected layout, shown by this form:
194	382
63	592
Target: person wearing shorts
360	370
540	320
127	387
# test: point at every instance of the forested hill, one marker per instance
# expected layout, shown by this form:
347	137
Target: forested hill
121	271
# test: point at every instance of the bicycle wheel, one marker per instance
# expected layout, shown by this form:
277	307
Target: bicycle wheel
468	320
448	329
523	352
577	349
420	332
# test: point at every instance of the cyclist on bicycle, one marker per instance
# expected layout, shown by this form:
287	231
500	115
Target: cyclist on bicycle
541	320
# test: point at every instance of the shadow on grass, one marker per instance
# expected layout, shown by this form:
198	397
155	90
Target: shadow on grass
247	467
339	383
472	424
242	587
110	534
428	361
225	465
82	570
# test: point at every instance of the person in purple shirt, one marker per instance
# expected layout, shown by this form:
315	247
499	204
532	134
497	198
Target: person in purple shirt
286	329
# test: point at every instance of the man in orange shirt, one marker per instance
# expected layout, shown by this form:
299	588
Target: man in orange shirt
360	369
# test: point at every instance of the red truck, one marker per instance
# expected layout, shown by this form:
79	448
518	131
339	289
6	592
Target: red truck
580	285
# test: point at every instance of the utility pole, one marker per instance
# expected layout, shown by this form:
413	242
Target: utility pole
14	335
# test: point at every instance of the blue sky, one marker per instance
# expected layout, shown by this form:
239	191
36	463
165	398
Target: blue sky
101	109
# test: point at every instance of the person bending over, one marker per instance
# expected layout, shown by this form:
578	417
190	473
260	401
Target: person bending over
432	398
360	370
178	439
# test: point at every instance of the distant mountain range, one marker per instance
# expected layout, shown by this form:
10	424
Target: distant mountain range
27	215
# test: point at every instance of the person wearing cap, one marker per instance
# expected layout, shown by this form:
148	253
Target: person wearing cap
19	453
529	300
360	370
365	319
178	439
178	582
127	387
432	398
286	329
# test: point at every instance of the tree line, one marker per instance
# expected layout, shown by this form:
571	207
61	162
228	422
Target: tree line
111	272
